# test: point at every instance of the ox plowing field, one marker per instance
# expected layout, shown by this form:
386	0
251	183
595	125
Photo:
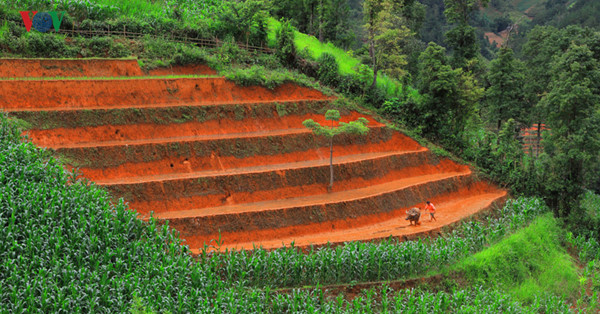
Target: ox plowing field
221	161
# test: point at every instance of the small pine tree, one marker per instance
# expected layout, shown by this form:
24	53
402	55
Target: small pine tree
354	127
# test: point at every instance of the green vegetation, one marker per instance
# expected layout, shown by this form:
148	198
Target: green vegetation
353	127
529	262
85	254
363	262
63	246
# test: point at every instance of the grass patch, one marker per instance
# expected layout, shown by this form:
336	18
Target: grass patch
346	62
529	263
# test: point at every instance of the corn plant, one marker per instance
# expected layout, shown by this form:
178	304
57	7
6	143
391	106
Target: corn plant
358	261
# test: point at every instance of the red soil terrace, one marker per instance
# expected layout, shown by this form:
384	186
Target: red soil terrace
216	159
19	68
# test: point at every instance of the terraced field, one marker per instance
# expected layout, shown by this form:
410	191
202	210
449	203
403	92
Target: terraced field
216	159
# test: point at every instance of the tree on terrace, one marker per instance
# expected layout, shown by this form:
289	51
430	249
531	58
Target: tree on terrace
354	127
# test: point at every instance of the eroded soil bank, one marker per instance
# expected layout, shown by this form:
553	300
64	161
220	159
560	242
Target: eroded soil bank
104	94
47	68
341	226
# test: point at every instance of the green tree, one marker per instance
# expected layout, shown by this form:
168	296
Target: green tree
573	111
505	97
462	38
449	96
354	127
385	34
286	51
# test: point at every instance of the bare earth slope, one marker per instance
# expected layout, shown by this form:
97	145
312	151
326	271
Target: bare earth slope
220	160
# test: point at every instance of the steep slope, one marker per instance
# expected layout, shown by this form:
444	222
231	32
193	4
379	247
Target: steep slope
222	161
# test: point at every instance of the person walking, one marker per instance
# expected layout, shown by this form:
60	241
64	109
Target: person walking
431	210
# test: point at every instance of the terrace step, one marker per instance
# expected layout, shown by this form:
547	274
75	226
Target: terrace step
21	68
245	150
450	211
277	182
40	68
44	95
138	134
268	220
170	115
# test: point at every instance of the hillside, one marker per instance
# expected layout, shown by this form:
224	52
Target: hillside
224	156
220	161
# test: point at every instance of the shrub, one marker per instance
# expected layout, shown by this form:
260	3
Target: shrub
46	45
328	69
118	50
286	51
100	46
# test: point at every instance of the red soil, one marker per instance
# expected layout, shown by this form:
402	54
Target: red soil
204	178
17	68
114	135
140	93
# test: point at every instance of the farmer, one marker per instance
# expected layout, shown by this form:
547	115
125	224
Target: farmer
431	210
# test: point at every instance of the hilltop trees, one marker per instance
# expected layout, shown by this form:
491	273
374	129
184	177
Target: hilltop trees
572	109
462	38
328	20
505	97
449	96
385	33
354	127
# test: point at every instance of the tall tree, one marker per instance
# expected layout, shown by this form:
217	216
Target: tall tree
462	38
385	34
505	97
354	127
449	96
573	111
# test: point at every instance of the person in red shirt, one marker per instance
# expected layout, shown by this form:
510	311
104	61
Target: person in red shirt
431	209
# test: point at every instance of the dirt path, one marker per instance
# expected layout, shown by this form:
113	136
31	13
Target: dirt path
32	68
255	169
336	197
128	93
449	212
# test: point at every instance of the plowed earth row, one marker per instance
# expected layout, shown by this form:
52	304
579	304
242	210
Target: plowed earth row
216	159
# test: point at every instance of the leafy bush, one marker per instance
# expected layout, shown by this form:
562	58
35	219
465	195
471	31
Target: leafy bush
118	50
47	45
328	69
100	45
258	75
286	51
